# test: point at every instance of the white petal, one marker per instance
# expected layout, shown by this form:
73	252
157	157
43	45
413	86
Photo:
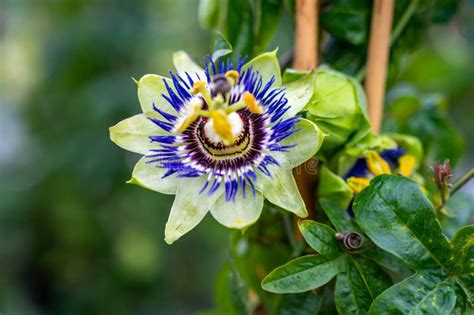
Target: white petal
240	213
267	65
133	133
308	140
149	176
183	63
150	88
189	207
281	190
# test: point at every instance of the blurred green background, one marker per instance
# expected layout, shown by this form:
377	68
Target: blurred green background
74	238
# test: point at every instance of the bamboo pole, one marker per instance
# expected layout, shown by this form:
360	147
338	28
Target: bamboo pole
305	54
306	58
377	60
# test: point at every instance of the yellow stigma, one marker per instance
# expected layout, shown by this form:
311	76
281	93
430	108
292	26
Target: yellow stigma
233	76
406	165
377	165
222	126
251	103
357	184
192	114
197	87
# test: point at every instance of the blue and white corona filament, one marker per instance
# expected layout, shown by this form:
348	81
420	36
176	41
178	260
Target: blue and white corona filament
222	139
224	128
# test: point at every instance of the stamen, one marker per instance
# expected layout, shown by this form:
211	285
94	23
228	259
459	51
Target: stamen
193	112
252	104
407	164
200	87
357	184
233	76
377	165
222	126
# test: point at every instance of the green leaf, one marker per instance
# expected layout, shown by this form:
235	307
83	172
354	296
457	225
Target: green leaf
133	134
221	46
395	214
423	293
299	93
302	274
388	261
229	293
320	237
463	250
306	303
335	197
338	108
358	284
466	282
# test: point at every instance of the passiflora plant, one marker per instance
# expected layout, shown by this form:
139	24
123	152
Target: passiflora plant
230	135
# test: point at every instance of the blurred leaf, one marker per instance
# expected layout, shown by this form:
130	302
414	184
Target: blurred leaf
210	12
221	46
268	15
306	303
347	23
444	10
424	117
229	293
461	209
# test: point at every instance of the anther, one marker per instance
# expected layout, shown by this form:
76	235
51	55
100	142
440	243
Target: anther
192	114
252	104
406	165
377	164
357	184
233	75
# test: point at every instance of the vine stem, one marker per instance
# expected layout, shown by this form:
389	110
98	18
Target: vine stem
398	29
306	58
462	181
377	60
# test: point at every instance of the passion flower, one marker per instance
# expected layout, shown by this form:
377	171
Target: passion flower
222	139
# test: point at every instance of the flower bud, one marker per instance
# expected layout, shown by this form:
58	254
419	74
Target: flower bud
352	241
442	174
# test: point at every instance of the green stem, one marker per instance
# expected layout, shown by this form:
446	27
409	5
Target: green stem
402	23
462	181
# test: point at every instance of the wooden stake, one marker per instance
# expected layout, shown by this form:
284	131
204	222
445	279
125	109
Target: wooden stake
306	58
377	60
306	44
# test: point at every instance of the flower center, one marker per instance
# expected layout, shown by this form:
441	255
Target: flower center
236	128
